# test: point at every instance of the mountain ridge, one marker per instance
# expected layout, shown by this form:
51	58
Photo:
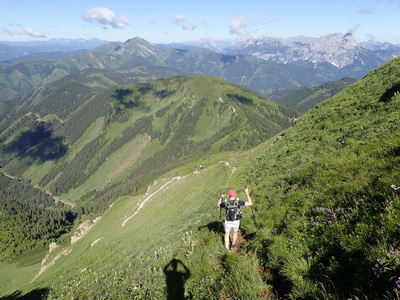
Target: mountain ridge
263	64
142	61
218	116
305	98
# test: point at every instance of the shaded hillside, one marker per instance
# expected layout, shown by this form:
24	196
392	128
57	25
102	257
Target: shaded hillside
30	218
305	98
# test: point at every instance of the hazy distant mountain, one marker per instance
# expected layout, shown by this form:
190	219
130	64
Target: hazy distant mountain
336	49
10	50
378	46
336	52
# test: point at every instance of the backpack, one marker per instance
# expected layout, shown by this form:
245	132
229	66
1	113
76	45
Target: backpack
233	210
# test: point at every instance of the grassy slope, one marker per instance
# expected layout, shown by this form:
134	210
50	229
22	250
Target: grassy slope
337	163
175	206
326	207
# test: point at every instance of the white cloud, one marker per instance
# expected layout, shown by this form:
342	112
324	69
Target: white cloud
33	33
180	20
105	16
26	31
238	25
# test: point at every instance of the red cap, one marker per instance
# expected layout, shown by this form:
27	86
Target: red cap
232	193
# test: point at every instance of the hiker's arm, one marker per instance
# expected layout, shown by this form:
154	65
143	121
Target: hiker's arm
220	199
249	202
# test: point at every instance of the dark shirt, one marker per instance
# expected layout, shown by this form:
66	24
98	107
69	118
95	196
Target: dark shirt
240	203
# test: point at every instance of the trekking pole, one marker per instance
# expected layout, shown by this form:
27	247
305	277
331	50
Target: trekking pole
254	216
252	212
220	218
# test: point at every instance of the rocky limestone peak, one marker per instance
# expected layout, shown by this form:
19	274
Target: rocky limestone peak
337	49
210	44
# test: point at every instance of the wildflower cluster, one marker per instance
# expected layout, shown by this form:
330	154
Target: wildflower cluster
138	286
333	227
329	215
388	268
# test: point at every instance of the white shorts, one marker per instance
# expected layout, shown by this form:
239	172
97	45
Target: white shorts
232	225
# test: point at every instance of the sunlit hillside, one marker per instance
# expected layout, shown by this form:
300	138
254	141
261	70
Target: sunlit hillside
325	222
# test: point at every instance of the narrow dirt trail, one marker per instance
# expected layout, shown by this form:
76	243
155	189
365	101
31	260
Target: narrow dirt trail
45	265
141	205
239	242
86	226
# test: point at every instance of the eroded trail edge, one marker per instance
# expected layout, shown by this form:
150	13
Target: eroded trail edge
141	205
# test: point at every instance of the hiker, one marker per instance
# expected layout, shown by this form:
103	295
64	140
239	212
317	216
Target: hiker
233	214
201	167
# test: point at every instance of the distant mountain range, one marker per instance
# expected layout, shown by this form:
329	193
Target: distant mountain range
264	64
340	52
338	49
137	60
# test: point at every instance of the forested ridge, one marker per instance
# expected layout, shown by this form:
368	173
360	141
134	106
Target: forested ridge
66	139
29	218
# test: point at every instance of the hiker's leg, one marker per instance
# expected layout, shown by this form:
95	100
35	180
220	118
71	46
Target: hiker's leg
226	238
235	228
234	238
227	233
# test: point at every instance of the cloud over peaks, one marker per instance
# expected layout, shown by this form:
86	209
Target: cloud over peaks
34	33
25	31
105	16
238	25
180	20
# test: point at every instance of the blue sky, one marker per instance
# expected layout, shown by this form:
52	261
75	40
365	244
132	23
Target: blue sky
164	21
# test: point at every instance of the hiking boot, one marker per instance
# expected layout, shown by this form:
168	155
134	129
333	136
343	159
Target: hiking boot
233	246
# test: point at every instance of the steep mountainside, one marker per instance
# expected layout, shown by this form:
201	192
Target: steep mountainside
92	148
325	222
305	98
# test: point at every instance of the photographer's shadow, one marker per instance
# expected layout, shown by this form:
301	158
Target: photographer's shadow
176	274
